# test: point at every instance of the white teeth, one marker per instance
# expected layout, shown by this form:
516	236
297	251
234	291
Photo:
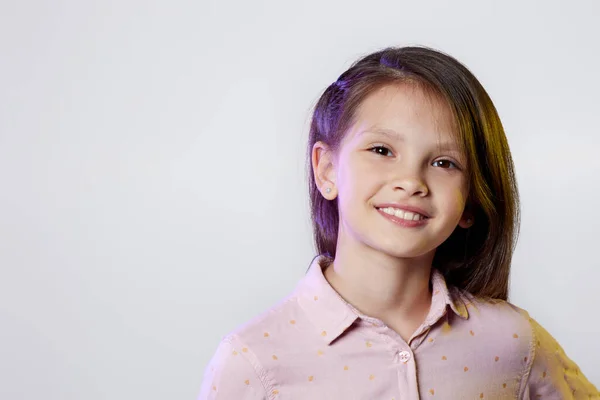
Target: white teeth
410	216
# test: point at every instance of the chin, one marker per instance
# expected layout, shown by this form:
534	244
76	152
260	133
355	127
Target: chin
404	250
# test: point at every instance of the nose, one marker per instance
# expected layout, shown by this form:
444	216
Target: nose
413	186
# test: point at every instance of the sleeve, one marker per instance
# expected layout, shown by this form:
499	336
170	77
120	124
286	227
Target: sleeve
553	374
230	376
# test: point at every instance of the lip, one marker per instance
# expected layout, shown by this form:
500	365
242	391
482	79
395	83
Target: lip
405	207
403	222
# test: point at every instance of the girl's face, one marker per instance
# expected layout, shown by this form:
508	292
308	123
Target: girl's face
399	151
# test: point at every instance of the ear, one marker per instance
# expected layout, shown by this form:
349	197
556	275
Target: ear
467	219
324	170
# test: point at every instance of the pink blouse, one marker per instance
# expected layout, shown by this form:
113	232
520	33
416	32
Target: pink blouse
314	345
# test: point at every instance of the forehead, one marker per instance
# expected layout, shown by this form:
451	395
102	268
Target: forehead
404	107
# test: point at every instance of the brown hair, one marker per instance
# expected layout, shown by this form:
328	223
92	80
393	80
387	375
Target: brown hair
476	259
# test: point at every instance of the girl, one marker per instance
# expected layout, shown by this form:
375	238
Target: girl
415	213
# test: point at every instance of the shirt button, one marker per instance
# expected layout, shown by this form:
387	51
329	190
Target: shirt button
404	356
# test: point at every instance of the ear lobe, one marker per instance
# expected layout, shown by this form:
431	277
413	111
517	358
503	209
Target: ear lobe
466	221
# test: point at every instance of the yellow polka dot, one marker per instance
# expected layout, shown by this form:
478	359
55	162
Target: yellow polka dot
436	292
292	322
368	344
235	353
310	378
504	385
275	391
371	377
324	333
481	395
247	382
446	327
430	340
245	349
214	387
515	336
466	369
320	352
544	374
274	357
345	368
472	333
496	358
444	358
316	297
432	391
266	334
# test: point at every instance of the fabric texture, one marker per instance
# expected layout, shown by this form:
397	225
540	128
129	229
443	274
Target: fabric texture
314	345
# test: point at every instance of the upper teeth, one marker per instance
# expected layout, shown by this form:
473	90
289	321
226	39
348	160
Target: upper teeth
403	214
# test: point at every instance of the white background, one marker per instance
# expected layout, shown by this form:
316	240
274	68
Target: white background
152	180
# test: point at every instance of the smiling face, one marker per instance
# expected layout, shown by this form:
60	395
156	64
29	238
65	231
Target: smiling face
400	151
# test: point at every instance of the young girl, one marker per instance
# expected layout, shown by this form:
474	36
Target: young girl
415	213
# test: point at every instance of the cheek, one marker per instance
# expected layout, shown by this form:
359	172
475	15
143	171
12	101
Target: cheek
459	201
357	176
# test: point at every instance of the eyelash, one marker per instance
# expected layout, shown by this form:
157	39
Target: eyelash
384	147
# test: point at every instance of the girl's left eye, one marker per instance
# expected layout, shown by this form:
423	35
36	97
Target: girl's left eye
447	163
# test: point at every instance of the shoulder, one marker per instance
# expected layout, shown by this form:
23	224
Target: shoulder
500	316
231	374
260	334
242	360
545	368
552	371
497	333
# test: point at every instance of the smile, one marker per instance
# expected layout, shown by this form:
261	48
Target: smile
401	214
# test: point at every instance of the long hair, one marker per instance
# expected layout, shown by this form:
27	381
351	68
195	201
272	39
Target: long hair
476	259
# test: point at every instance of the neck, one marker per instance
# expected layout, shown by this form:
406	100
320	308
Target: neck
395	290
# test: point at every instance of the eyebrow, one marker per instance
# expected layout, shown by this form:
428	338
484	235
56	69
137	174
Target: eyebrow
393	135
390	133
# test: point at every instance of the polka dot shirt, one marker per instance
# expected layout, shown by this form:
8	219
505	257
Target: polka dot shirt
314	345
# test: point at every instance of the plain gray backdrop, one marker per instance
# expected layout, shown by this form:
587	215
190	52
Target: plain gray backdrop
153	193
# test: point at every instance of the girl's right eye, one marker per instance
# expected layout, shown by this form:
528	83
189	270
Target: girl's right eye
380	150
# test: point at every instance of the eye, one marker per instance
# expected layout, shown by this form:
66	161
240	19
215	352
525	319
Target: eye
445	164
380	150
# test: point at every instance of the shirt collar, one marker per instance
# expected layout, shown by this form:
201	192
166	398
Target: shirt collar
332	315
